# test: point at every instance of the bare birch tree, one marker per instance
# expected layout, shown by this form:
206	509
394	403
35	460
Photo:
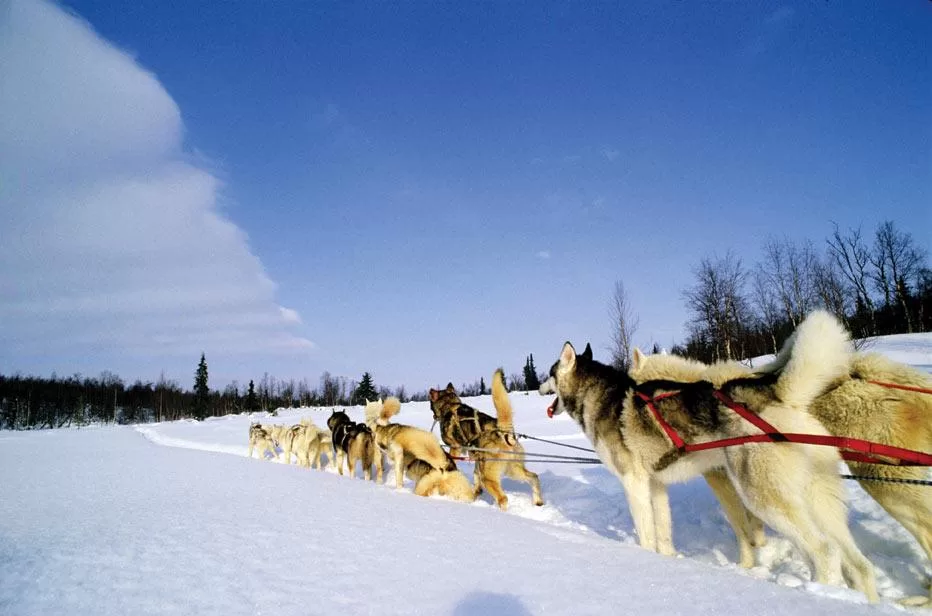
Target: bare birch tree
624	323
852	257
718	305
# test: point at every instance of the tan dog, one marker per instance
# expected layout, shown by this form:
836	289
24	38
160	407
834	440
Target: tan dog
402	443
260	438
852	406
316	442
430	481
504	455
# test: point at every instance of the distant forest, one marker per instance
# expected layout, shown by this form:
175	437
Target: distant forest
876	286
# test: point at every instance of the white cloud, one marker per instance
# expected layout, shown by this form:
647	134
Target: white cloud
111	240
543	254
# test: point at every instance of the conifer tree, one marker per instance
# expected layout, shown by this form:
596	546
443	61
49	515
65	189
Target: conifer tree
365	390
252	401
201	391
531	381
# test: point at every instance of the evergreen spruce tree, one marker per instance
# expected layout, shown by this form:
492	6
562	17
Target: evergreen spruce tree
365	390
201	391
482	389
531	381
252	401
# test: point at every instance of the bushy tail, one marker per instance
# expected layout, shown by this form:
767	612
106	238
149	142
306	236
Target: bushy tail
817	353
380	412
390	408
503	412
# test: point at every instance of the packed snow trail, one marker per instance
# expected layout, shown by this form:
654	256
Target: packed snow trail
102	521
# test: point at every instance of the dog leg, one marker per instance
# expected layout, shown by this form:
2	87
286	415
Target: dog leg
637	490
340	455
477	481
663	520
776	482
398	455
748	528
495	489
518	471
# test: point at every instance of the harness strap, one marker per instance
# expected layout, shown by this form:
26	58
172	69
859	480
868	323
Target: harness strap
851	449
759	422
921	390
678	442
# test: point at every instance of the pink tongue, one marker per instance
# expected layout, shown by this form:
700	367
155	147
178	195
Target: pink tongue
550	408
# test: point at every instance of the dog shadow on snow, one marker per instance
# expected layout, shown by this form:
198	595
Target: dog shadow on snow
485	603
596	501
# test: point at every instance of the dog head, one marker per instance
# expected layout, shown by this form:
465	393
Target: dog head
443	400
562	378
337	418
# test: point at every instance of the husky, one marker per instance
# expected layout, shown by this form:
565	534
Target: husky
260	438
460	424
402	443
429	481
793	488
292	440
469	428
317	441
354	441
857	405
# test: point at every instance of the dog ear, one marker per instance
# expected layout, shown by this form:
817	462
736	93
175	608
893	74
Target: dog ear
588	352
567	356
637	358
450	388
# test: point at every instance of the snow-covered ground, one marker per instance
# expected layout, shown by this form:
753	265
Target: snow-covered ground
173	518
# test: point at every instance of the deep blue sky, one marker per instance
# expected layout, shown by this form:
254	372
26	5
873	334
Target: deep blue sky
442	188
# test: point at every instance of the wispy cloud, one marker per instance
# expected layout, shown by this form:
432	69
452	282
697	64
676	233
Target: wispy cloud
543	254
333	122
113	239
770	30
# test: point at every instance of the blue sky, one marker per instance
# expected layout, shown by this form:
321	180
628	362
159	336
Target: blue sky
430	190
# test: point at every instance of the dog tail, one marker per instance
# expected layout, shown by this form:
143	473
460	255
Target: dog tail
503	413
390	408
817	353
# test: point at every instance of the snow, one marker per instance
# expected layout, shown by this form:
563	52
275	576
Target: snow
173	518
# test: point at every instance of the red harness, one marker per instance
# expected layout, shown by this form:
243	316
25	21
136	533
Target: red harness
851	449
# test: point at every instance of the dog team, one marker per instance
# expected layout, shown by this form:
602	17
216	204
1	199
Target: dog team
413	452
816	385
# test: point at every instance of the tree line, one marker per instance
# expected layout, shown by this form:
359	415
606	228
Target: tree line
28	402
875	285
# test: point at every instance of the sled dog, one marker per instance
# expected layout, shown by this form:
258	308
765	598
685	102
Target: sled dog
402	443
860	404
460	424
260	438
504	455
317	441
429	481
354	442
793	488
